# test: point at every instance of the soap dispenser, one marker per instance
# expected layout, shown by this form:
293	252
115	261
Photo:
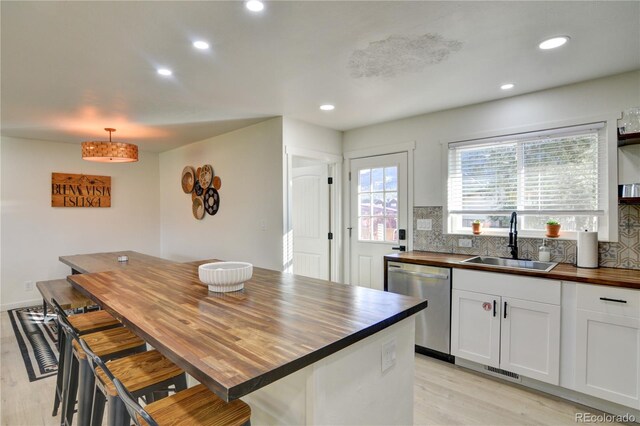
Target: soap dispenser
544	254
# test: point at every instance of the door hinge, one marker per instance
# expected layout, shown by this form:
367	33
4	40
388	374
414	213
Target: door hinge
349	175
331	235
330	181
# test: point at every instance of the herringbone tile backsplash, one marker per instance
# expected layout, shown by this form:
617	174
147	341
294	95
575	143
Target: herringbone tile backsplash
623	254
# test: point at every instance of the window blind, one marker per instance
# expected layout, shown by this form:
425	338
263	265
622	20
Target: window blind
553	172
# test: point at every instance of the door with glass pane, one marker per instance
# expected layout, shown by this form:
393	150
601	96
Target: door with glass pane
378	213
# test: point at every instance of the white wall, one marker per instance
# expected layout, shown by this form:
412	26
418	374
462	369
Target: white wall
629	163
596	98
248	226
302	135
34	234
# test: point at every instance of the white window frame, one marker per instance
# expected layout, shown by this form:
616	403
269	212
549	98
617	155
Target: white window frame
607	220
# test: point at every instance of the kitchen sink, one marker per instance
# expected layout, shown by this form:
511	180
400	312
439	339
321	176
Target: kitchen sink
500	262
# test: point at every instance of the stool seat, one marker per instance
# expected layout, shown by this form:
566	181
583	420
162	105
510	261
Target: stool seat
139	371
198	406
92	321
107	342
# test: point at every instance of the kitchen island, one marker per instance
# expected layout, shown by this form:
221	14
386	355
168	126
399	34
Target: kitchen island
298	350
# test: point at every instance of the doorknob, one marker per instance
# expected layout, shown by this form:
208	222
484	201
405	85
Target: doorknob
401	248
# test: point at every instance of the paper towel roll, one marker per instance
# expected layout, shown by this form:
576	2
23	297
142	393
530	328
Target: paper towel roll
587	249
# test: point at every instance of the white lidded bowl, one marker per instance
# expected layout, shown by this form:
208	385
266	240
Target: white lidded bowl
222	277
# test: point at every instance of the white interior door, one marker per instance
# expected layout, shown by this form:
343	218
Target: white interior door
378	192
310	220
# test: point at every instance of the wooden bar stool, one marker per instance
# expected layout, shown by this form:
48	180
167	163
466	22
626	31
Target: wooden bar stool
110	344
82	324
143	374
196	406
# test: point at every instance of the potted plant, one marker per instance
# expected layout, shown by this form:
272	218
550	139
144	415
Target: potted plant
553	229
475	227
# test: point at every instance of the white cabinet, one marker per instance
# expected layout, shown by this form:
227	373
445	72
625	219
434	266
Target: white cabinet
494	322
475	327
608	344
530	342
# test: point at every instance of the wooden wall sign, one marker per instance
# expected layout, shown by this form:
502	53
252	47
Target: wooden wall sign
69	190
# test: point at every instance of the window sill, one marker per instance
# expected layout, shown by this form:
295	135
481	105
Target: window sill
567	236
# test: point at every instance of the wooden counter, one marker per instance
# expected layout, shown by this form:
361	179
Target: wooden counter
102	262
238	342
629	278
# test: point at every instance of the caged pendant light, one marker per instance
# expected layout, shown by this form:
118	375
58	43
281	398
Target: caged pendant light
109	152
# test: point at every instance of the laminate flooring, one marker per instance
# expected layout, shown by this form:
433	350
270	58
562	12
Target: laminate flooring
444	395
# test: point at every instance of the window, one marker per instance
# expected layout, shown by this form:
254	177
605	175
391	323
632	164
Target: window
378	204
557	174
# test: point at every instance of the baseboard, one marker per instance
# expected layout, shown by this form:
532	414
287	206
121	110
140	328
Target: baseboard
568	394
24	303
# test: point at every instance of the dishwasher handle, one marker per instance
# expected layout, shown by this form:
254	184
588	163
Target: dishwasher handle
419	274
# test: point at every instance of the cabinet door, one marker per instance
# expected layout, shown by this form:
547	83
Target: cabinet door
608	357
475	327
530	343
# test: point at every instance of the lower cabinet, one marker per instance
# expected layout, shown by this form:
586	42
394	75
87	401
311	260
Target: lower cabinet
608	344
516	335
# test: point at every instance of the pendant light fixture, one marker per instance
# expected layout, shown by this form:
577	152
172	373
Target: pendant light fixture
109	152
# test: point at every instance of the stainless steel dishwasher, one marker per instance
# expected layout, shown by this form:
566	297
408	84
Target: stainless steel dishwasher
433	325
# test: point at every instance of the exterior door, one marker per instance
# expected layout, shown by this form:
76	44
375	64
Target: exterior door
379	211
475	327
310	221
531	339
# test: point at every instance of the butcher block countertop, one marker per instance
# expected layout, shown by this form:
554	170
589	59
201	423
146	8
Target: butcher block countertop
629	278
238	342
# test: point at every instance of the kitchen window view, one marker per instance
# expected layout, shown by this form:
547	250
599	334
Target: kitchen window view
557	175
378	204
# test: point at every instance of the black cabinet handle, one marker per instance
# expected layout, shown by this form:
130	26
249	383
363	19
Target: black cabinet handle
505	309
494	308
606	299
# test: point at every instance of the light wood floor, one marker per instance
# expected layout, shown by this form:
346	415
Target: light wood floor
444	395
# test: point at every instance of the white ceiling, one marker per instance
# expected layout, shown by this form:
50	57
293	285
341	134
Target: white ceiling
69	69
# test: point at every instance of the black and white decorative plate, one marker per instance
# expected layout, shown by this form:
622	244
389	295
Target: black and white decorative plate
211	201
197	188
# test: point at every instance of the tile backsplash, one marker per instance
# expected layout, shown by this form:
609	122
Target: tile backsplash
623	254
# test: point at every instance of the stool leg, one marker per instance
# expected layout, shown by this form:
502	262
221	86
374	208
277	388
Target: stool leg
86	389
71	393
66	372
60	374
97	413
181	382
118	415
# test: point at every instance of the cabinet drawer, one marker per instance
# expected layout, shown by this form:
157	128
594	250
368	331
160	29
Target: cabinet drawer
508	285
609	300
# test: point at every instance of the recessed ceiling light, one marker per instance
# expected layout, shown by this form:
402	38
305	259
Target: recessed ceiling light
202	45
553	42
164	71
327	107
254	5
507	86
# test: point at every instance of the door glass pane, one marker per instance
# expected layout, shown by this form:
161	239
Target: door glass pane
364	203
364	181
391	229
378	228
364	228
391	204
391	178
378	203
377	179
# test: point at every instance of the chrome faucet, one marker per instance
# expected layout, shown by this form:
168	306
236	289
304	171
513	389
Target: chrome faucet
513	235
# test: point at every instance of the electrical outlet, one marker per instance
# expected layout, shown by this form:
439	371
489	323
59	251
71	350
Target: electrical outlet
425	224
465	242
388	355
29	286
